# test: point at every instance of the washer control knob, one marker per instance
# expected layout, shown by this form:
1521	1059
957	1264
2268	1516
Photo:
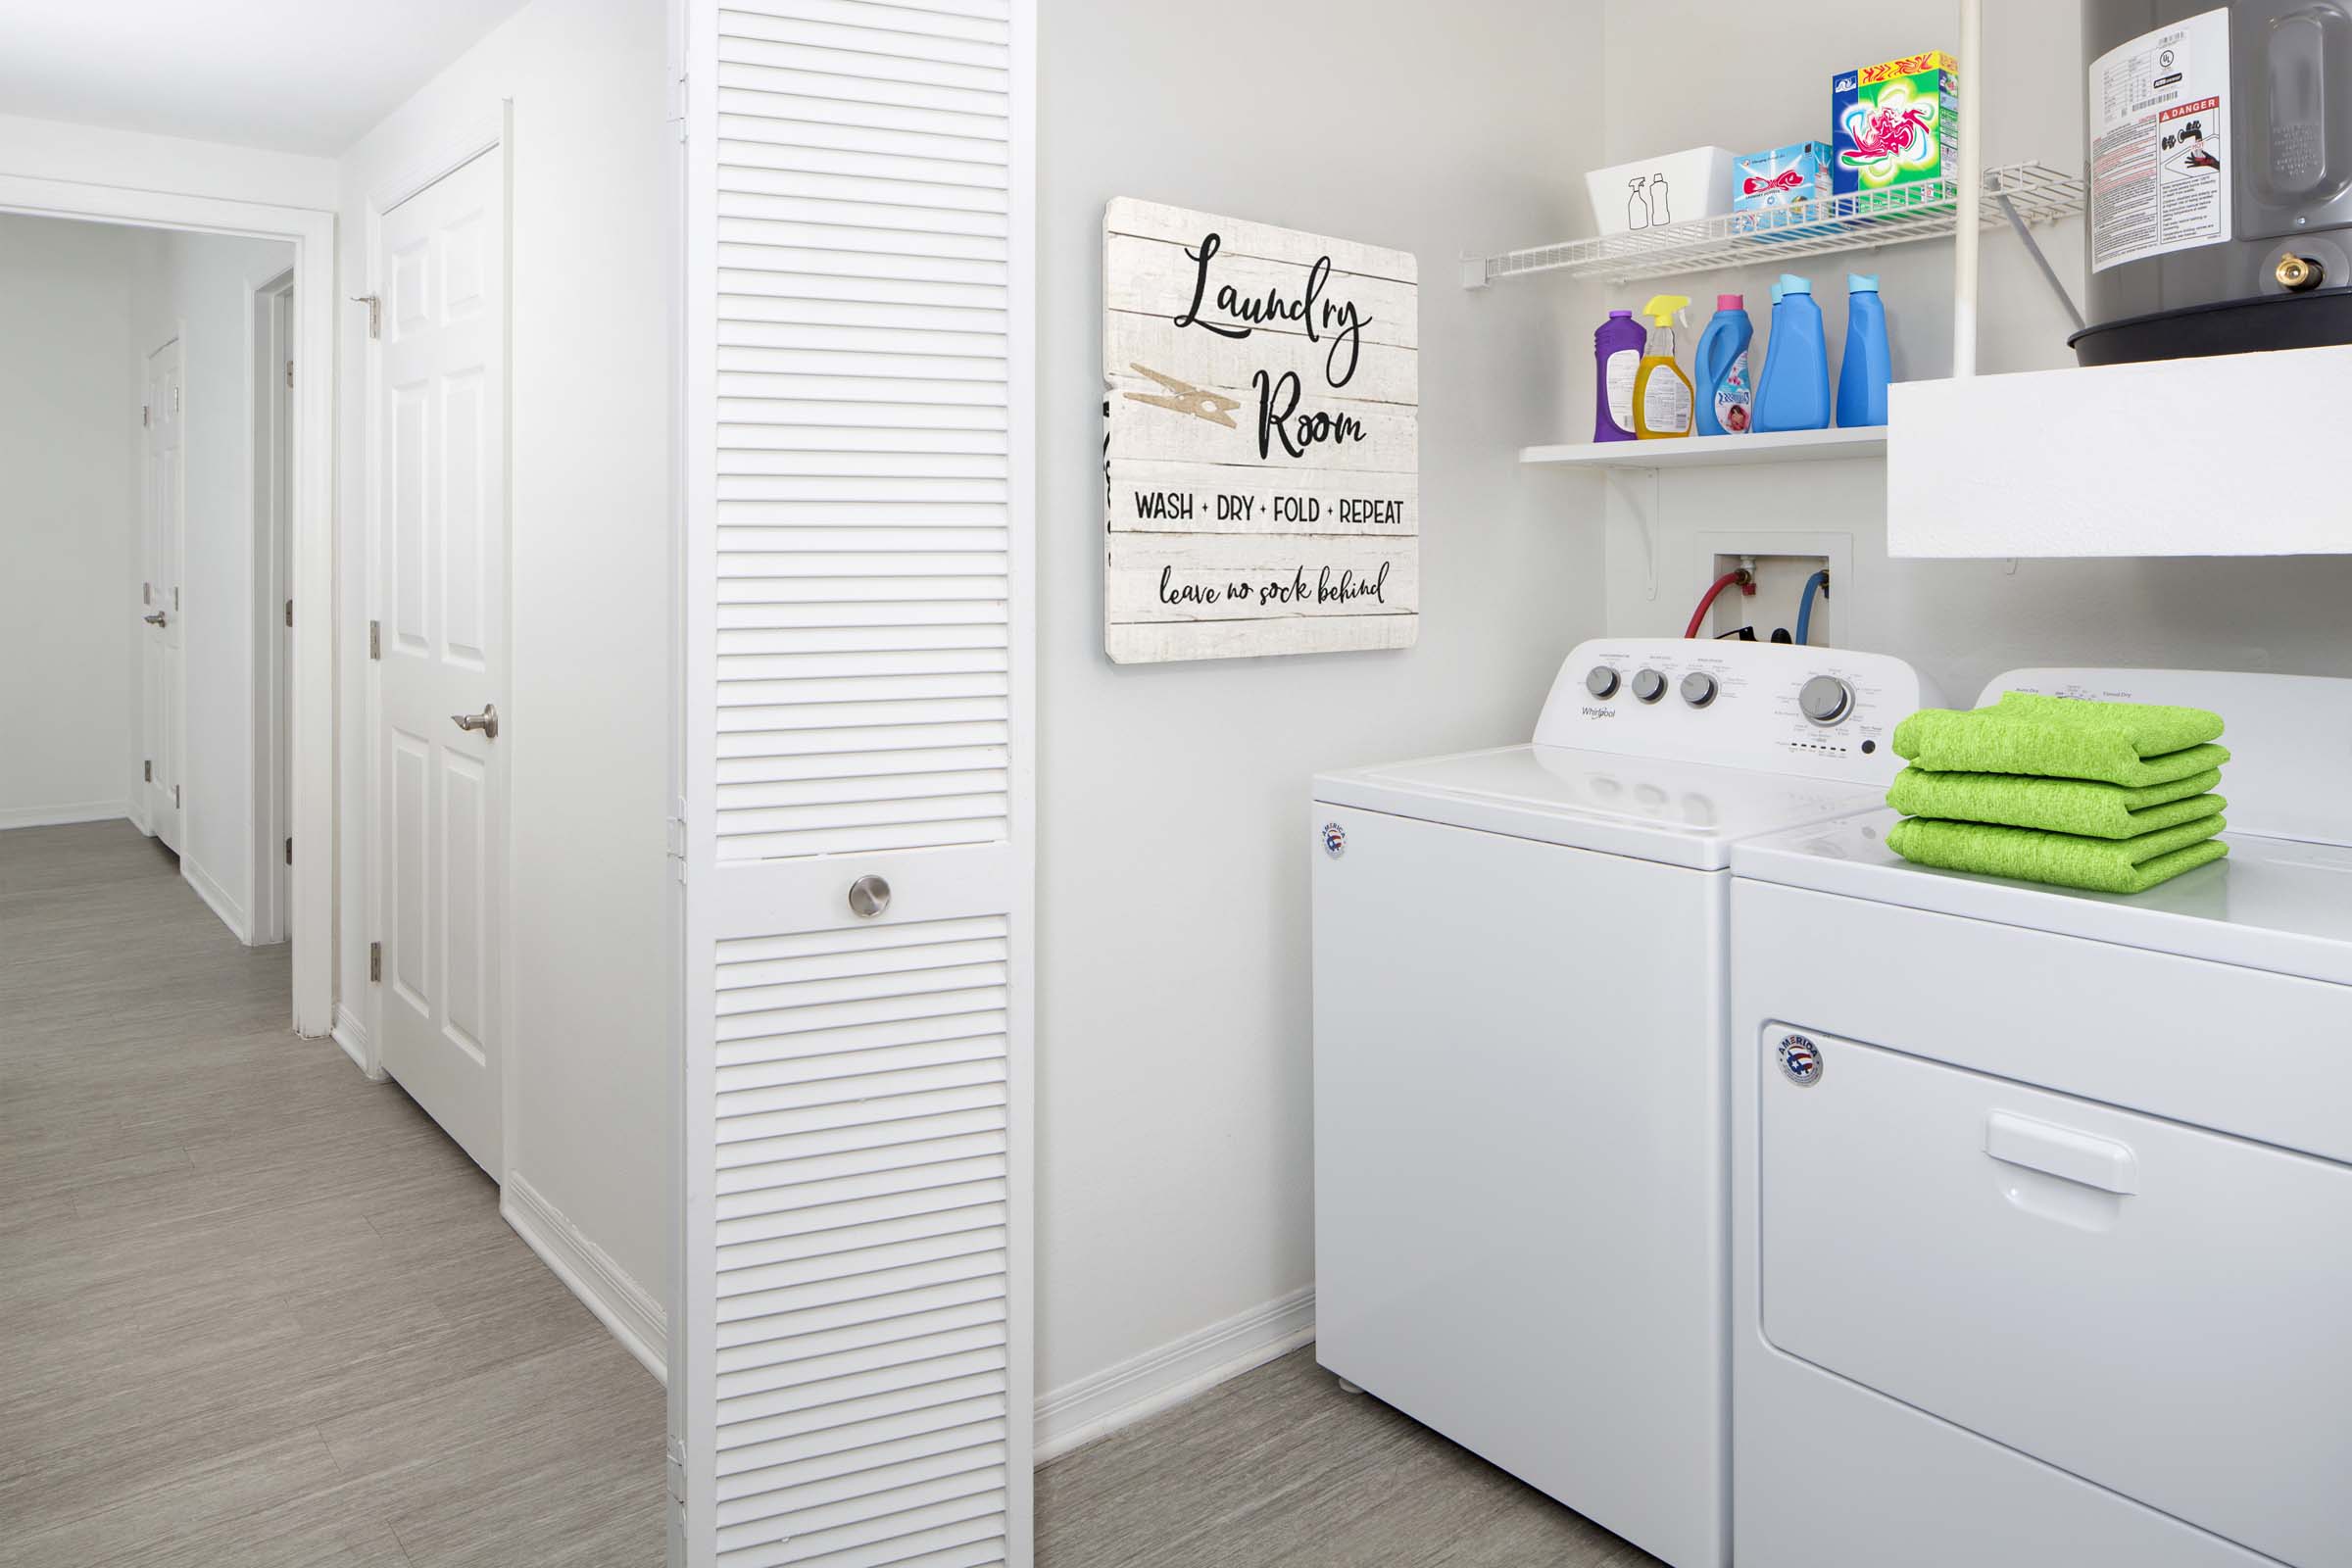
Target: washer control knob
1649	685
1698	688
1601	681
1824	700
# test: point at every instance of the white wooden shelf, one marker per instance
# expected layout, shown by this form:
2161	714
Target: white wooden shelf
2235	455
2014	193
1716	451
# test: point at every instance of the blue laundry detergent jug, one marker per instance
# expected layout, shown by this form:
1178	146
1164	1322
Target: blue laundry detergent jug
1863	375
1794	393
1720	367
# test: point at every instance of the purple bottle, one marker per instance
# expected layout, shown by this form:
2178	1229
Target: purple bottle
1617	355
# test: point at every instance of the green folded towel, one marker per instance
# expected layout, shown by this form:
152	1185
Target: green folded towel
2102	866
2133	744
2057	804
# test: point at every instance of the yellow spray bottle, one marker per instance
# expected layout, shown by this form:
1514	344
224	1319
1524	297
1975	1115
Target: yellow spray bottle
1663	399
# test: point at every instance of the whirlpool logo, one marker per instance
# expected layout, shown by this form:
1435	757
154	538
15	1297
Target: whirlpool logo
1600	712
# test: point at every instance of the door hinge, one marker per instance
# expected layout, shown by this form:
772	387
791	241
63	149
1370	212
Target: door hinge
175	400
289	611
175	797
146	415
176	596
289	373
678	1471
375	313
376	639
146	593
375	960
289	852
149	767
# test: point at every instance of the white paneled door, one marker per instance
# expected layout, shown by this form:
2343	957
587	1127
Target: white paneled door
163	712
852	1369
440	641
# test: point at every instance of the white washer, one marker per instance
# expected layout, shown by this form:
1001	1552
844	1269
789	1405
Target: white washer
2050	1262
1520	1062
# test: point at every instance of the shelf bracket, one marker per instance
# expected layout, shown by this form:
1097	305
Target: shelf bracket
1645	517
2049	273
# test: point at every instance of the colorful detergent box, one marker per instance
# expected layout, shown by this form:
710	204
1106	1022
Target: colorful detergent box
1893	125
1768	187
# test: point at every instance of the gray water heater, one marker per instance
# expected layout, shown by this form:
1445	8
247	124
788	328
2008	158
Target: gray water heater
2220	162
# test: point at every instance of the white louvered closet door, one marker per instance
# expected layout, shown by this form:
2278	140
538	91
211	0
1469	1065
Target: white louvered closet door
852	1382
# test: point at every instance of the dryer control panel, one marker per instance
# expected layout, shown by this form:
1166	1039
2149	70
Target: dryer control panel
1822	713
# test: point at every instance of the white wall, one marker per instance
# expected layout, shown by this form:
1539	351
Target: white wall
69	520
50	149
1961	622
1173	1033
199	288
586	729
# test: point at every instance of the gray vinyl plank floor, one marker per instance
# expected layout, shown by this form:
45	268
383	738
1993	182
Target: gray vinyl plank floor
1280	1469
256	1311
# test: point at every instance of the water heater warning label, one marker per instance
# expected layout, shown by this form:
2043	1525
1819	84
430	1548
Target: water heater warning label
2160	118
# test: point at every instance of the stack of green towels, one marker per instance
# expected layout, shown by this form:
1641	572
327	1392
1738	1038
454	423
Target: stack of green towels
2112	797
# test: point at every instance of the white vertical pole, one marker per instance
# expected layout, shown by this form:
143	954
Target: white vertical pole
1972	189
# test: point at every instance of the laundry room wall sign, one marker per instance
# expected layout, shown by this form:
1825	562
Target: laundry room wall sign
1261	439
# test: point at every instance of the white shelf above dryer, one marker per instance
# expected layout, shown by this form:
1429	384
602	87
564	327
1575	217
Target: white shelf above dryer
2018	194
1715	451
2235	455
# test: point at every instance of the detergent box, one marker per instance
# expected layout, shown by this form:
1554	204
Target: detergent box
1769	190
1893	125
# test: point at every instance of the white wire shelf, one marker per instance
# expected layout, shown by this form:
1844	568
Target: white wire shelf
1855	223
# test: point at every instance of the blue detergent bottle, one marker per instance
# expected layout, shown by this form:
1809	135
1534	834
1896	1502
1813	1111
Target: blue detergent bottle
1720	367
1794	393
1863	375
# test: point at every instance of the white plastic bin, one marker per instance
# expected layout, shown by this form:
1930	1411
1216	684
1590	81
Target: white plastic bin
1674	189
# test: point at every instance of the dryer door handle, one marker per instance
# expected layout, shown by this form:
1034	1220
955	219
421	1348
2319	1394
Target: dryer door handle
2062	1151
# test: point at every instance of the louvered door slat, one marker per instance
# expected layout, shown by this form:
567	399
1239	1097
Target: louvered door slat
856	1382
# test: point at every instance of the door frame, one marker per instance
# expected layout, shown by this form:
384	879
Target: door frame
486	135
312	232
272	816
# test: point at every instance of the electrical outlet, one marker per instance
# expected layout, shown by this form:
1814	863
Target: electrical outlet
1782	561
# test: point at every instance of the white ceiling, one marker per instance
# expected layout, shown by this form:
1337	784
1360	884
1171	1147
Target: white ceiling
295	75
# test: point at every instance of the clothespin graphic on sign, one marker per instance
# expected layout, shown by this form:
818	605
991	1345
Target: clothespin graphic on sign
1184	398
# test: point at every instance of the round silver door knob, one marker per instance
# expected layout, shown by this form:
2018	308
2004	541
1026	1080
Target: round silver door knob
1698	688
869	896
1601	681
1824	700
1649	685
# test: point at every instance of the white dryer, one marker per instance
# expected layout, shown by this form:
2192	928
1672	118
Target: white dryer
2042	1200
1520	1062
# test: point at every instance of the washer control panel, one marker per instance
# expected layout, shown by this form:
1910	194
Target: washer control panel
1824	712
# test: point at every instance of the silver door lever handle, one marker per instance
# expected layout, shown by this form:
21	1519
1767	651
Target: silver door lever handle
155	619
486	721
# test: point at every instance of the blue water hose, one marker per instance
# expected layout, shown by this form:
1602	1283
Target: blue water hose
1818	582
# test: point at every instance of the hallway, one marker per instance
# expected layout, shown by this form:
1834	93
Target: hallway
254	1308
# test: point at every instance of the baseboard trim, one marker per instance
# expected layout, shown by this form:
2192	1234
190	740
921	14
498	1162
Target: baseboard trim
351	1036
1095	1406
619	1301
62	815
217	895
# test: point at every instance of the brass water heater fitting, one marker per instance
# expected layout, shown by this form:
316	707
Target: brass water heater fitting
2298	273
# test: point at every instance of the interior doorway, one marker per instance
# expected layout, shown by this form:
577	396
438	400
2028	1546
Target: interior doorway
310	805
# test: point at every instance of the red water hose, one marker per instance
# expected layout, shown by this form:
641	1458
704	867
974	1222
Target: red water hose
1699	616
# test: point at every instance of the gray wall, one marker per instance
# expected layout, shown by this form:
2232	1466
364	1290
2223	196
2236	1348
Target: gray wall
70	519
1173	1036
1961	622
